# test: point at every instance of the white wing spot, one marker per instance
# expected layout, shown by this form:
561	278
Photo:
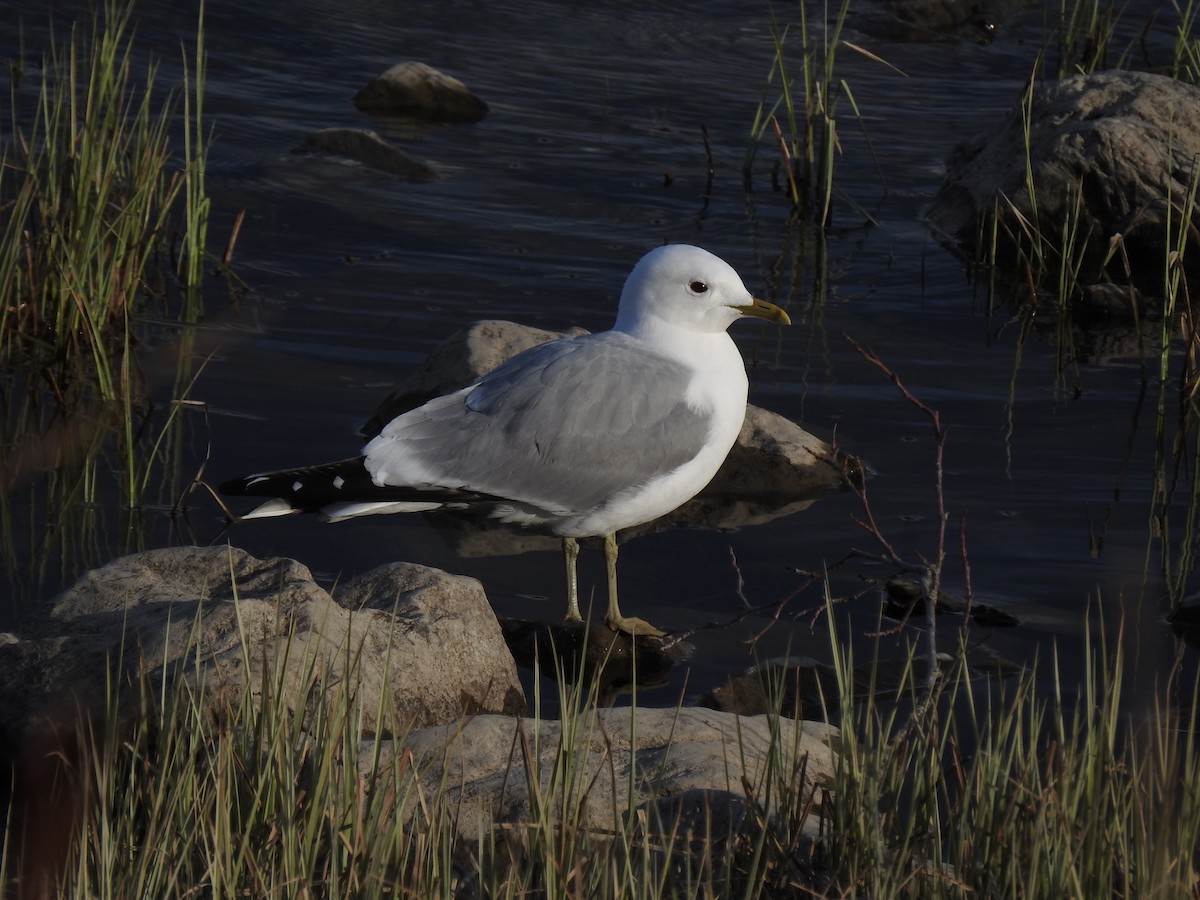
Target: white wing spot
255	479
338	482
296	485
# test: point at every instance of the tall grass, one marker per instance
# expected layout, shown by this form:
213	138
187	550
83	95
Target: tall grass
998	790
1007	790
104	229
91	187
801	120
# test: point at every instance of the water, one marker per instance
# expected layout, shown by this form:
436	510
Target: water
544	206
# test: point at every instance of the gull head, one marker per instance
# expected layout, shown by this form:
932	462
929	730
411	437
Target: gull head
685	287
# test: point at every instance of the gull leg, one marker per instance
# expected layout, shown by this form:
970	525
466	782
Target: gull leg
570	548
614	619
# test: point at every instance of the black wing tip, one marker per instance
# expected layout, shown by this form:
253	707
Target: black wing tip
313	488
236	487
280	482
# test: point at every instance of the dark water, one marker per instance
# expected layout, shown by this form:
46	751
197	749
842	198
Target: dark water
544	206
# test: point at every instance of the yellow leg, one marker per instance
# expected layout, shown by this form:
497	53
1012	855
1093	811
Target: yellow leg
570	556
614	619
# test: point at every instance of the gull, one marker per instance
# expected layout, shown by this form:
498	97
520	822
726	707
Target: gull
579	437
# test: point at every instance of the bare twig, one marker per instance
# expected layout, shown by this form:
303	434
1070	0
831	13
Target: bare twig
932	576
741	582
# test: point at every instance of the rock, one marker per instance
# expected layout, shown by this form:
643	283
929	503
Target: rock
905	598
1115	150
775	457
801	688
671	762
369	149
609	662
1104	303
930	20
1185	621
219	614
421	91
774	469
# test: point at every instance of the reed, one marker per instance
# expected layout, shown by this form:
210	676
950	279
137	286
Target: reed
92	185
798	115
101	252
998	789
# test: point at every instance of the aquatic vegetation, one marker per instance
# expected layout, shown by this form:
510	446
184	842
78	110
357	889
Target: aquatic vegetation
92	184
801	122
1063	255
1100	34
105	231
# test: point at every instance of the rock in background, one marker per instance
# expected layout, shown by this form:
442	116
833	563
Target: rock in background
1115	151
418	90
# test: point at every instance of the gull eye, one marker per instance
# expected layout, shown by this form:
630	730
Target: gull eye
698	287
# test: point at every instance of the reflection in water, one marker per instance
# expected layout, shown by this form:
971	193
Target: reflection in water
92	483
107	221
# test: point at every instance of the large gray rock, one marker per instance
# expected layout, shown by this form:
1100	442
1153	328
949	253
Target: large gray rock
677	764
241	624
1117	150
420	91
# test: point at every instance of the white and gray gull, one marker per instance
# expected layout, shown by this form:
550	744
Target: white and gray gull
579	437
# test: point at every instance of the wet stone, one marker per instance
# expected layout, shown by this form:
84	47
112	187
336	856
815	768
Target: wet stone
417	90
368	149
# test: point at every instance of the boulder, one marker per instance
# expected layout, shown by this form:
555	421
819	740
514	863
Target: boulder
420	91
1115	151
678	765
244	625
369	149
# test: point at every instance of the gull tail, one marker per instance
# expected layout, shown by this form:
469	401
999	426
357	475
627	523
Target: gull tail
339	490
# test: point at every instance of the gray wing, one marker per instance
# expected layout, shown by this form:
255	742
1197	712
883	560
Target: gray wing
563	426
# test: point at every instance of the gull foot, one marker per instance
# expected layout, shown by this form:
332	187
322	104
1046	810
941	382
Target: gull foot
634	626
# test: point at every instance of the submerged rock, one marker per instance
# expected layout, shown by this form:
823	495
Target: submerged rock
420	91
609	662
246	626
801	688
804	688
905	598
1111	157
369	149
931	20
